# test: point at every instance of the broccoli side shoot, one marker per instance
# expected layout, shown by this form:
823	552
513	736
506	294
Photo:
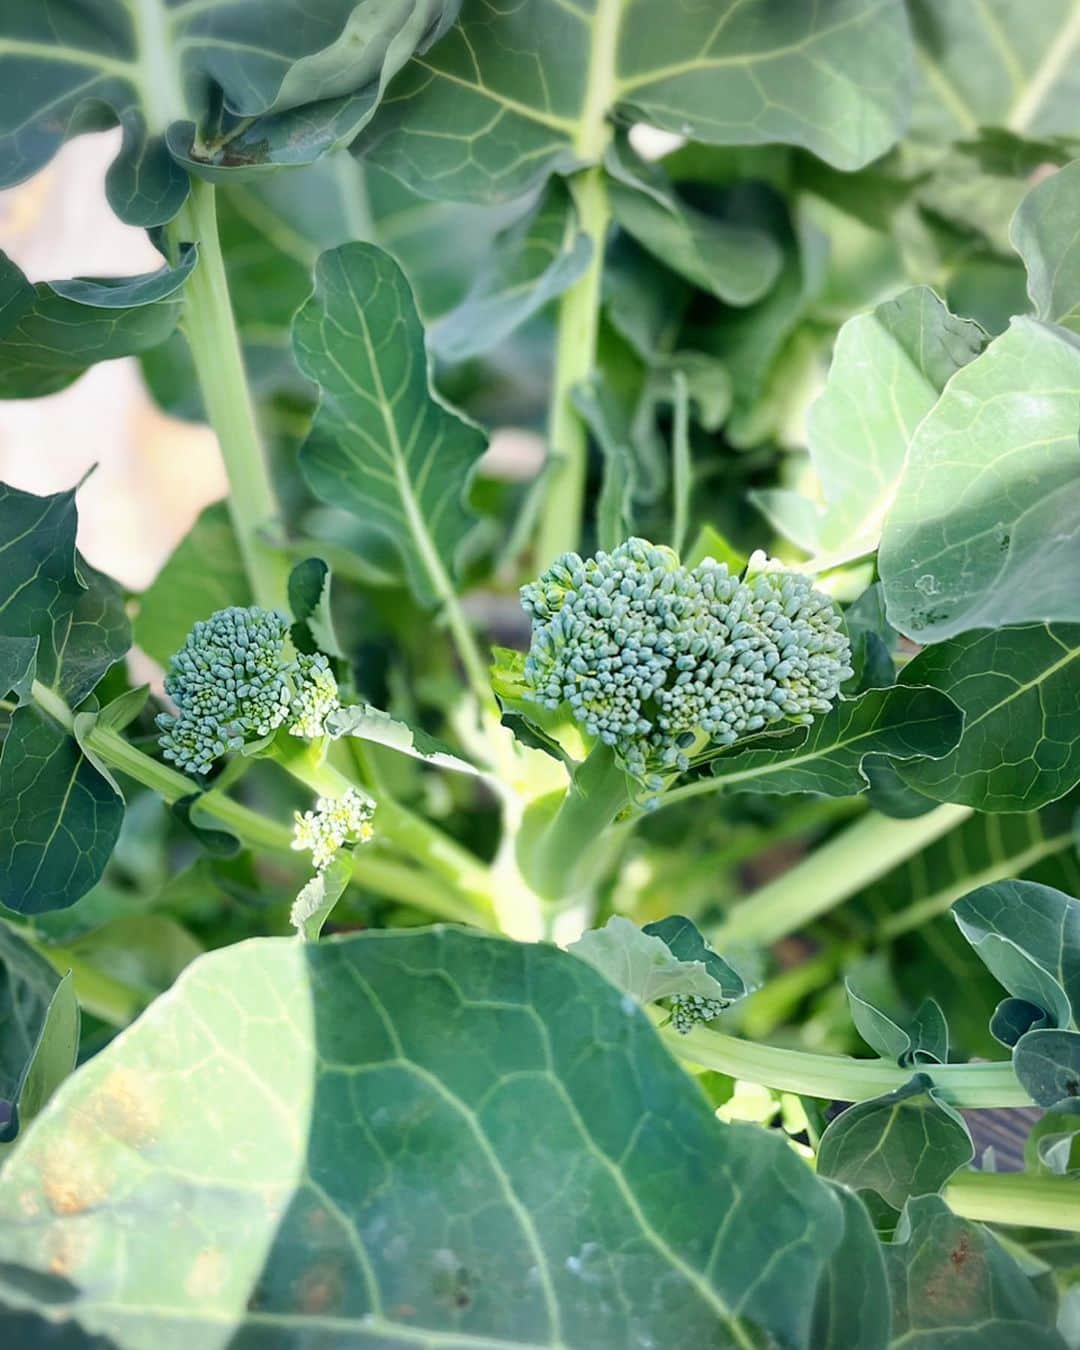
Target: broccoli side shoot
659	661
235	680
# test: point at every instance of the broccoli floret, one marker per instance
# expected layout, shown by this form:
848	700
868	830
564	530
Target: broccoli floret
658	660
693	1010
235	680
334	822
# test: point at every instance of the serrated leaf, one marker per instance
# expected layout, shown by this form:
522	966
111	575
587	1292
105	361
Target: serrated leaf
1020	746
529	264
1047	1063
383	446
643	964
309	601
39	1032
903	723
368	723
460	1114
1044	233
901	1144
888	370
1028	936
833	77
953	1284
268	84
983	530
186	590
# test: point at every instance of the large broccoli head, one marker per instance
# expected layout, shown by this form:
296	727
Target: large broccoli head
658	660
235	680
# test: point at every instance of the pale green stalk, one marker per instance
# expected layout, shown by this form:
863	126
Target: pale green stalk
838	1078
1016	1198
210	327
833	872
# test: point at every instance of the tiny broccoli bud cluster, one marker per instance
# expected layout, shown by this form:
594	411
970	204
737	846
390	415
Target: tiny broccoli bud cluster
692	1010
233	682
334	822
659	660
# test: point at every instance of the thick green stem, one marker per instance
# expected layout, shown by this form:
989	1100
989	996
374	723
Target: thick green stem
400	828
561	844
1016	1198
99	994
210	328
836	870
837	1078
575	357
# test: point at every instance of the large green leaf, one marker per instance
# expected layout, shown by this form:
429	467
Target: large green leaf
853	1298
383	446
39	1032
1046	235
888	370
1028	936
406	1138
901	1144
514	93
1020	746
902	723
280	82
954	1285
1047	1063
984	529
992	63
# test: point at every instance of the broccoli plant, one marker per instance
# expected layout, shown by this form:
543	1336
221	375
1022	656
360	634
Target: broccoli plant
619	896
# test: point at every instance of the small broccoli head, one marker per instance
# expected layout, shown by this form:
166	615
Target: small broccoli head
233	681
658	660
335	822
693	1010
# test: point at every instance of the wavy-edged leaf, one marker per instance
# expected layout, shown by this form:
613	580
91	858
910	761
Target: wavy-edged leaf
984	528
513	94
901	722
280	82
313	906
1053	1146
186	589
1020	746
69	326
368	723
1047	1063
529	264
888	370
39	1032
1045	233
901	1144
658	961
309	602
469	1121
383	445
1028	936
923	1040
953	1284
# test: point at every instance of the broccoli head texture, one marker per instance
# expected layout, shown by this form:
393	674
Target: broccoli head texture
235	680
659	660
335	822
693	1010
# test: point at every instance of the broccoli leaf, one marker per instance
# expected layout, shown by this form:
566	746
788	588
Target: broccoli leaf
888	370
1020	746
953	1284
1028	936
39	1032
367	723
313	906
902	723
852	1306
383	445
984	529
901	1144
216	87
925	1039
833	77
461	1112
1047	1063
1045	235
